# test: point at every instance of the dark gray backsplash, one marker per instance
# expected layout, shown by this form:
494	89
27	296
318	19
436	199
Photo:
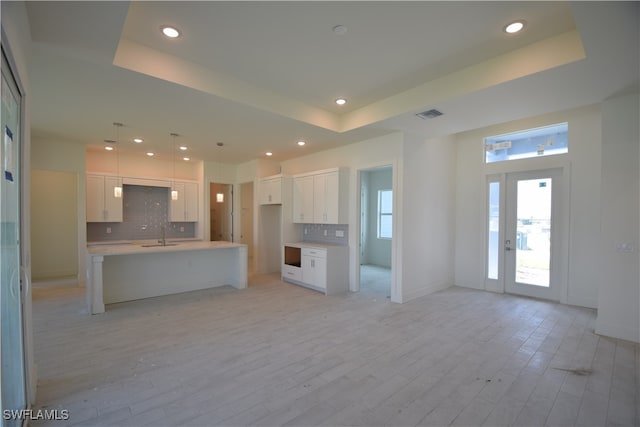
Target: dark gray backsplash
145	211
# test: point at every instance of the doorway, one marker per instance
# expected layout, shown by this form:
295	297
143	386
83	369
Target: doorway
221	212
527	233
376	228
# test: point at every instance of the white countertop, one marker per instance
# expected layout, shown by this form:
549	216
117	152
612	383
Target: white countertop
131	248
313	245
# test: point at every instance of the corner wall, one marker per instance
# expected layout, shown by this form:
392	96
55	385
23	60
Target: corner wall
428	215
619	292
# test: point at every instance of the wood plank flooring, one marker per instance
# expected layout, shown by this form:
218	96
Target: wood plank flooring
278	354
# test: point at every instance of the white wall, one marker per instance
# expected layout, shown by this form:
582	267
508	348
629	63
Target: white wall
584	163
428	221
619	292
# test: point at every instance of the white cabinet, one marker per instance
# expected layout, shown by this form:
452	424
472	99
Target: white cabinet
321	197
270	190
324	268
303	199
185	209
102	205
314	267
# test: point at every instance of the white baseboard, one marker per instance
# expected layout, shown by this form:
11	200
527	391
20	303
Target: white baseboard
55	283
623	332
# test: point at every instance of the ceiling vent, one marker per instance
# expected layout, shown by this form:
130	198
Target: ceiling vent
430	114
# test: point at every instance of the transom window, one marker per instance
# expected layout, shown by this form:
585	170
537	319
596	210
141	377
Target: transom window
385	210
544	141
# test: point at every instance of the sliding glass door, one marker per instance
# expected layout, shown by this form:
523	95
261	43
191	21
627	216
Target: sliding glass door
11	298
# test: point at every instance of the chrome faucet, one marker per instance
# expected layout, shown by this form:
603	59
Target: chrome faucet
164	240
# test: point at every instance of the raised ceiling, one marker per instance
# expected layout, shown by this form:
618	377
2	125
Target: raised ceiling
259	76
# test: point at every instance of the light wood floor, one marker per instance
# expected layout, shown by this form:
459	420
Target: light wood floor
277	354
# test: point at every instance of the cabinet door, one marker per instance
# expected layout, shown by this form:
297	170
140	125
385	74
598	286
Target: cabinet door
326	194
303	199
176	207
271	191
112	204
95	198
314	271
191	202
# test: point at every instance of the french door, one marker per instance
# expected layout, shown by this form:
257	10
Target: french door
526	233
13	371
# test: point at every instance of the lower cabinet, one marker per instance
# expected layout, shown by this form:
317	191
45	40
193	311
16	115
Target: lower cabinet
324	268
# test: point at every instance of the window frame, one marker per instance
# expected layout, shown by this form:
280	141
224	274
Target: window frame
381	214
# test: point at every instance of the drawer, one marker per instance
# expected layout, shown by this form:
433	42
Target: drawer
291	272
320	253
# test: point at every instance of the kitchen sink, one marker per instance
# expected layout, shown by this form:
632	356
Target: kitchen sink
156	245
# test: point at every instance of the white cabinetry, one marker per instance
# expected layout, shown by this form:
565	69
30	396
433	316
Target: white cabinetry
270	192
324	268
303	199
314	267
185	209
102	205
321	197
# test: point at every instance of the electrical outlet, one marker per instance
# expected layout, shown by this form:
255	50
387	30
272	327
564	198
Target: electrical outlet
108	230
305	230
339	233
325	232
182	229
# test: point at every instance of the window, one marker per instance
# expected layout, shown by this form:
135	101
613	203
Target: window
385	209
544	141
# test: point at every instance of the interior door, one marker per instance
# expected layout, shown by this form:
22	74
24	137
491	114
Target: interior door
13	370
533	233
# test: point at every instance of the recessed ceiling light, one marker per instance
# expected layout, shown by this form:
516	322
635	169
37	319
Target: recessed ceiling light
514	27
301	143
108	148
269	153
150	154
183	148
170	32
186	159
341	101
138	140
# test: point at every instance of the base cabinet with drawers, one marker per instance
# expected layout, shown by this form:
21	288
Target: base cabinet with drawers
324	268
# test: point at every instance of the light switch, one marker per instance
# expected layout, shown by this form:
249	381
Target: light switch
108	230
339	233
325	232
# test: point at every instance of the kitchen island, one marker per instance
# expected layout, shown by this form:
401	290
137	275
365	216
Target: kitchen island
126	272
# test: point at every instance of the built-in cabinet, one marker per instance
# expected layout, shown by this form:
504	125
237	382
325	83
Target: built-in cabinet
185	208
102	205
271	188
321	197
314	267
324	268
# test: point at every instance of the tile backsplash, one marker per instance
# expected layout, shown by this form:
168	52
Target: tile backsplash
326	233
145	211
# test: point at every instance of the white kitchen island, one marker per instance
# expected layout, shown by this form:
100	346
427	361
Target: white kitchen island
126	272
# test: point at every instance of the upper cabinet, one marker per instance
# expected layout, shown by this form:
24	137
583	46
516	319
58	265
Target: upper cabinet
102	205
321	197
185	208
303	199
270	190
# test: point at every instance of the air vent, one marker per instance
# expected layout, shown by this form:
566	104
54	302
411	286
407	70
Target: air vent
431	114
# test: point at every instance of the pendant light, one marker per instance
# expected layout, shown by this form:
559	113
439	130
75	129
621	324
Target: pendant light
174	192
117	190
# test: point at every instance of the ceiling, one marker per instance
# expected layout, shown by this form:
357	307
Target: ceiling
259	76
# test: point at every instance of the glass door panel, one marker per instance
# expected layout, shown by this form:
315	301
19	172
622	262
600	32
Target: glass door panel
532	233
13	395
